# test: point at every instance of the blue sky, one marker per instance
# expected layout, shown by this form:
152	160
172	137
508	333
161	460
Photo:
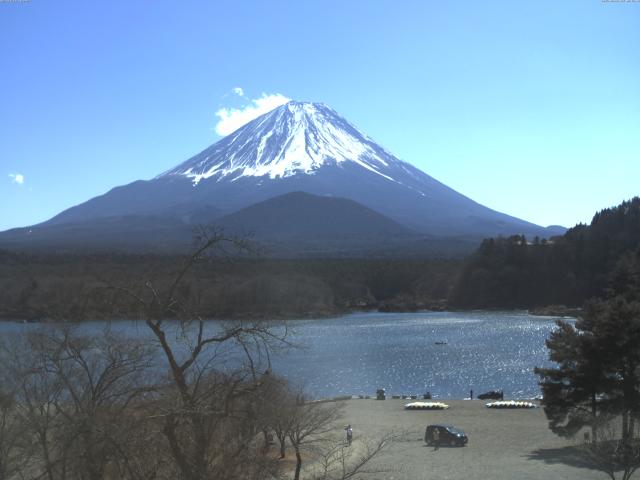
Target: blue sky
531	108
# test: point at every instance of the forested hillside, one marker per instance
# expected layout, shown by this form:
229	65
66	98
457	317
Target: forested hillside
517	272
82	286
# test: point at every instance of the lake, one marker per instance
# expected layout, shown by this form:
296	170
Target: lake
358	353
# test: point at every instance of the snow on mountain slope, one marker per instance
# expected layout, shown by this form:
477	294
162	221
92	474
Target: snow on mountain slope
294	138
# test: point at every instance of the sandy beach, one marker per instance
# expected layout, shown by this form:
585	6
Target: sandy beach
503	444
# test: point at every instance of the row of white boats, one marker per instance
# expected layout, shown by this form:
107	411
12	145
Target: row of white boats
443	406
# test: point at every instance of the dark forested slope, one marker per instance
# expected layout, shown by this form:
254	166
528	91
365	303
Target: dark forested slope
516	272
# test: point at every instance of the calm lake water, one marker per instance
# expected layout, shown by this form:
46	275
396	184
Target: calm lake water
359	353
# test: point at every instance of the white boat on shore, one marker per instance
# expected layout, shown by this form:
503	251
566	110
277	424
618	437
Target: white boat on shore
511	404
426	406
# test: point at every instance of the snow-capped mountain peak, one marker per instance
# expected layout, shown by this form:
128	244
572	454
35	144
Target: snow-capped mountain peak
295	138
301	148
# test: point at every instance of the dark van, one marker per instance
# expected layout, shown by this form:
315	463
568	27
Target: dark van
447	435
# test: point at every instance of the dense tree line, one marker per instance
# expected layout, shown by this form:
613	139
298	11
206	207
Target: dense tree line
77	286
517	272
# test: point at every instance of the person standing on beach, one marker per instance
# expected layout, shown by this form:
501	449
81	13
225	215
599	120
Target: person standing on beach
436	439
349	434
471	394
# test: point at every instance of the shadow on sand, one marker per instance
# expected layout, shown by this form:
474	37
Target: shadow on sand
572	456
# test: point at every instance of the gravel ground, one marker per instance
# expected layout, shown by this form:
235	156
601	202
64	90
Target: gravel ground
503	444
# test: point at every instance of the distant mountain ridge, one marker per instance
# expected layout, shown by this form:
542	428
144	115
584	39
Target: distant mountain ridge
297	147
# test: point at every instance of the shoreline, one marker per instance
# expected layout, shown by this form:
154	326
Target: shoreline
552	311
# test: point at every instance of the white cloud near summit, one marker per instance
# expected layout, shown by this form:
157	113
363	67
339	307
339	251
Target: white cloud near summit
231	119
17	178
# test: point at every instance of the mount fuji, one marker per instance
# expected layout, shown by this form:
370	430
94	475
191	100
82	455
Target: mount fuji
297	147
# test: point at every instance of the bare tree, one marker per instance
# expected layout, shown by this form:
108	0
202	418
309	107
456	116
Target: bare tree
12	445
342	463
101	376
75	397
278	407
36	392
310	426
211	401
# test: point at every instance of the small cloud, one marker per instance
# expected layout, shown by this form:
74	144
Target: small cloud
232	119
17	178
238	91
